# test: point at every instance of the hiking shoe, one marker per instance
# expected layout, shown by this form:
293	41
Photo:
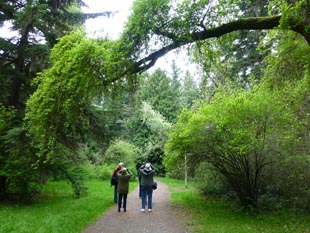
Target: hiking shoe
142	210
150	210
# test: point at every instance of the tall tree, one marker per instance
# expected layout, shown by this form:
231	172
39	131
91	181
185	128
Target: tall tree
36	26
189	91
158	90
157	106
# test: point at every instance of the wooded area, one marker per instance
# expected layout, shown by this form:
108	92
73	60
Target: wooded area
71	107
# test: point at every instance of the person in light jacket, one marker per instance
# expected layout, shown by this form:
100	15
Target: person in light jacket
147	173
123	176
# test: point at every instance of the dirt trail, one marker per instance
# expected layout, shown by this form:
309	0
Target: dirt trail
162	219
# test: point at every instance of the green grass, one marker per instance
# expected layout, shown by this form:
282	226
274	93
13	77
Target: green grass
57	210
210	215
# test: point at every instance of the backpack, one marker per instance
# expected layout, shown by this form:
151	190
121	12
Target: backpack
113	180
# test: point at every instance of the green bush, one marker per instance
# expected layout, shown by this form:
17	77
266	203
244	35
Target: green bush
104	172
121	151
287	183
209	181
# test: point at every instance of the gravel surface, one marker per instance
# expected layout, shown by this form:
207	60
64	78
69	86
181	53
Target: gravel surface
163	218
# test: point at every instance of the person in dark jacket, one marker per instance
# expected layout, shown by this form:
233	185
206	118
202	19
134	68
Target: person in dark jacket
123	176
147	173
115	180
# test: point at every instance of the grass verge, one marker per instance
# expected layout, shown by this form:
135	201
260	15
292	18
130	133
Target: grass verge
57	210
212	215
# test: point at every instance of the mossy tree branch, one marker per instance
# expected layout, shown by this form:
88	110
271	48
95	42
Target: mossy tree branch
257	23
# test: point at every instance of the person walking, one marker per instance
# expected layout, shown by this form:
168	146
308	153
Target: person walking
114	179
147	173
123	176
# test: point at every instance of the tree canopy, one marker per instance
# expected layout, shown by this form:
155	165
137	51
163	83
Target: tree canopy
174	25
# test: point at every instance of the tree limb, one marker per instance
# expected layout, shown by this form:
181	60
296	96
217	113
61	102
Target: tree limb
255	23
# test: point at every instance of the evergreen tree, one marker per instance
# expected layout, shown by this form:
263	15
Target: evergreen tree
157	106
189	91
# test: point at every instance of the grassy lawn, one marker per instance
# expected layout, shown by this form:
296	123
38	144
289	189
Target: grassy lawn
57	210
209	214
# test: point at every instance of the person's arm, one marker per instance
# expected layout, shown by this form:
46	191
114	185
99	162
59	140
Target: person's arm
153	168
116	171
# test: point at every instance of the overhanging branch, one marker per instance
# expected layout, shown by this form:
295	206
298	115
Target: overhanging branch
259	23
255	23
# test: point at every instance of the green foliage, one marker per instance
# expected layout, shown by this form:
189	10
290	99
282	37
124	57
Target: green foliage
76	175
157	105
104	171
16	173
213	214
91	152
269	122
36	26
235	133
189	91
210	181
121	151
296	15
154	120
286	183
158	91
6	117
57	113
146	18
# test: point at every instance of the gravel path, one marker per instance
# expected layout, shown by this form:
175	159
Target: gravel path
162	219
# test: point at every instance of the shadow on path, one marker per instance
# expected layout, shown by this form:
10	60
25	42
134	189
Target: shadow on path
161	220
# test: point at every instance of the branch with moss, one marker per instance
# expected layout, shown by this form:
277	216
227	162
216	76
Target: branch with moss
255	23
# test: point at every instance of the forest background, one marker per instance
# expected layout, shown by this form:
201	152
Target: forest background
73	106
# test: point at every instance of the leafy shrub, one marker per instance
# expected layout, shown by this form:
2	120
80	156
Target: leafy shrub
104	172
287	183
209	180
121	151
90	171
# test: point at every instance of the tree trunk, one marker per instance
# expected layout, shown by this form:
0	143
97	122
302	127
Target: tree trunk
3	184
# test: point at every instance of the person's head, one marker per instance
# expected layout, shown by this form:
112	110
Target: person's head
148	167
123	171
121	164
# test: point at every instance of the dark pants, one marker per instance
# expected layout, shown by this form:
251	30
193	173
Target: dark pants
122	197
115	193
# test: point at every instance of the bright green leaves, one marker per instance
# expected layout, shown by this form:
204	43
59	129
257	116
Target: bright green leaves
121	151
238	132
58	110
296	17
238	122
